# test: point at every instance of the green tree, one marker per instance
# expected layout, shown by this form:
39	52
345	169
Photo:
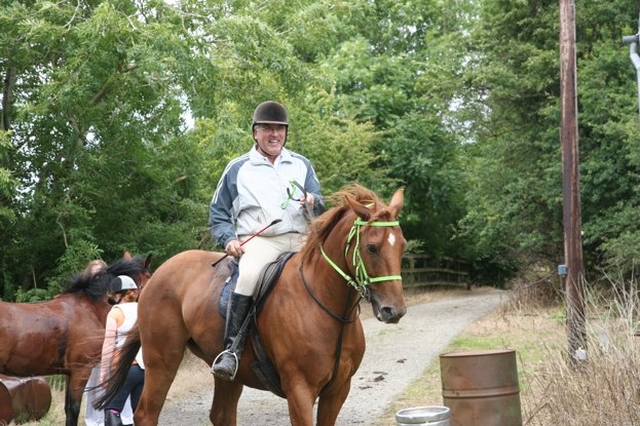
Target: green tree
397	72
89	98
515	201
96	95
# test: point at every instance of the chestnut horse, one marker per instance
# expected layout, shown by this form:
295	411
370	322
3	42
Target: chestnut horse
308	326
63	335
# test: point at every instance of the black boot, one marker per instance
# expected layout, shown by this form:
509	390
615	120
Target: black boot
225	365
112	418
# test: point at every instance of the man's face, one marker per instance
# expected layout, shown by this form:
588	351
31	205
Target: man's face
270	139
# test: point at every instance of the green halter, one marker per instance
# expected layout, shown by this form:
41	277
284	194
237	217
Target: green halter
362	279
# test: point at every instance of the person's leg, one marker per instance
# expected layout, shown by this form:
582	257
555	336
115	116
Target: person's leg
93	417
113	409
293	242
137	382
258	252
111	418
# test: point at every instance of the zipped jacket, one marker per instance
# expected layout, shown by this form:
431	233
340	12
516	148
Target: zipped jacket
252	193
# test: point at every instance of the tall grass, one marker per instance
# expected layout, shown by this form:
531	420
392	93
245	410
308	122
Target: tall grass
603	389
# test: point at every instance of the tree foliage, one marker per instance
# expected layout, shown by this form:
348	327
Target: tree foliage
117	119
515	209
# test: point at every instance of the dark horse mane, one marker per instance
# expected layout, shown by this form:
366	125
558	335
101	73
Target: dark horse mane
323	224
96	285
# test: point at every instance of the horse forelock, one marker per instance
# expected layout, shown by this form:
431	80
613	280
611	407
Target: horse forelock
385	214
357	193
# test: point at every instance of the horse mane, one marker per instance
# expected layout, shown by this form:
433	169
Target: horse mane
323	224
96	285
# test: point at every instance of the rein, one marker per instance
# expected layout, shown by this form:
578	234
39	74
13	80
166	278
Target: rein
362	279
343	319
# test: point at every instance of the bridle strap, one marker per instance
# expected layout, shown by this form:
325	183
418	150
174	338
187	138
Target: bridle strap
343	319
362	279
360	283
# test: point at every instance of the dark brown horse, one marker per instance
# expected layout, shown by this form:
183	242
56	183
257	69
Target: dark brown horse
63	335
309	324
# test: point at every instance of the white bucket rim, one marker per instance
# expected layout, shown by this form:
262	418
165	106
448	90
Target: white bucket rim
427	413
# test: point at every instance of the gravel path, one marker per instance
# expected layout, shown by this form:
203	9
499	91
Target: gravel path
395	356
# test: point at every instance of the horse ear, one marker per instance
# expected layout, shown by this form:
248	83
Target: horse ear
147	262
126	255
359	209
397	202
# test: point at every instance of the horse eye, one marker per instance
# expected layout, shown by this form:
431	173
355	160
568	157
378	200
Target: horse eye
372	248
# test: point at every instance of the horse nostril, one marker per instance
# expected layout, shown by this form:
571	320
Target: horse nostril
390	315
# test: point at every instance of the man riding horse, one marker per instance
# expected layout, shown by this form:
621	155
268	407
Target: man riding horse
268	184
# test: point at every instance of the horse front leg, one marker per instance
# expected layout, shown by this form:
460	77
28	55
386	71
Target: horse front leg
329	405
300	400
224	407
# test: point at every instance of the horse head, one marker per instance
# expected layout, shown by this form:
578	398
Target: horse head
377	255
361	240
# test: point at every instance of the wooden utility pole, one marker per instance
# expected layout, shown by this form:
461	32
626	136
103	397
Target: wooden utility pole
574	278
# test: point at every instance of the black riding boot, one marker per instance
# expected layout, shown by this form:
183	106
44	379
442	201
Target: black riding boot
111	418
225	365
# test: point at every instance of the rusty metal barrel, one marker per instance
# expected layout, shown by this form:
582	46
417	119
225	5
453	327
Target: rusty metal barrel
23	399
481	388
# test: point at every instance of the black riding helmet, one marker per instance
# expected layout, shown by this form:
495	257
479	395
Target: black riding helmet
270	112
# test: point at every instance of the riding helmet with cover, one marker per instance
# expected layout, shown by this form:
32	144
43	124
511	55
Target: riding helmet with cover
270	112
122	283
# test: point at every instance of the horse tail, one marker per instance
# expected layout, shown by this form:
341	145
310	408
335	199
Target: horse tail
119	372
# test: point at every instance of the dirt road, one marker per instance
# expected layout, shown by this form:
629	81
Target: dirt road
395	356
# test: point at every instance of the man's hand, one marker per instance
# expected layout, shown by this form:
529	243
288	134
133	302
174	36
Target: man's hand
309	200
234	249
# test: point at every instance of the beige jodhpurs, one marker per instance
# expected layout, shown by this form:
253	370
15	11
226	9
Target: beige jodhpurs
259	252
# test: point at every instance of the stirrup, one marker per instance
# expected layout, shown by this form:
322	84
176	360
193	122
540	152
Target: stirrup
215	361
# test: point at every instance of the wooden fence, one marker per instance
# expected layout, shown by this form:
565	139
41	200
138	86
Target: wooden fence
422	271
